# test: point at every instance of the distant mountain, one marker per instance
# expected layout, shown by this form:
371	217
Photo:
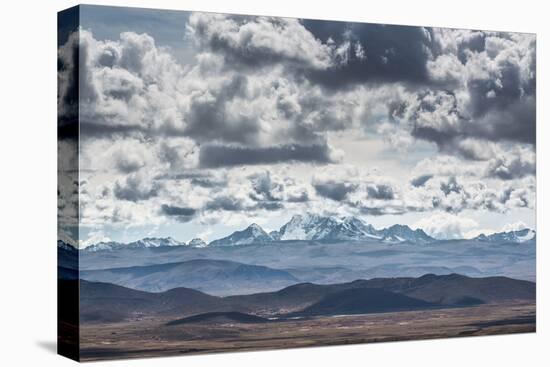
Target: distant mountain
197	242
363	301
65	246
147	242
67	261
322	228
219	318
520	236
219	277
253	234
402	233
104	302
312	227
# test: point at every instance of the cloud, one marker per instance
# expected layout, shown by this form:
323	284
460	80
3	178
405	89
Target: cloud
451	186
213	156
181	214
517	163
226	203
446	226
135	188
380	192
386	53
259	41
516	226
420	180
492	97
334	190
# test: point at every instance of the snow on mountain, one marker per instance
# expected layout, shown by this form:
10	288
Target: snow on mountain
147	242
307	227
197	242
65	246
401	233
351	228
519	236
252	234
315	227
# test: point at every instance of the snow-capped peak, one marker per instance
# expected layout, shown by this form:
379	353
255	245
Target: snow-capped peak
197	242
147	242
519	236
252	234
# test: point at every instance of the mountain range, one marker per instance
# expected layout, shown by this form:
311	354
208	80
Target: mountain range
519	236
312	227
219	277
104	302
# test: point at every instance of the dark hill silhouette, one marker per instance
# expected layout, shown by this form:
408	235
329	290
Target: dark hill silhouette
362	301
219	277
103	302
220	318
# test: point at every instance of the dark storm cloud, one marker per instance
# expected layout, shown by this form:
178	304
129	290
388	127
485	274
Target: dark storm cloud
509	168
451	186
214	156
126	165
181	214
134	189
390	53
226	203
265	189
420	180
270	205
500	81
337	191
68	70
380	192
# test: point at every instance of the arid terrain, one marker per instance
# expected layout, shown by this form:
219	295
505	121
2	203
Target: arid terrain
151	336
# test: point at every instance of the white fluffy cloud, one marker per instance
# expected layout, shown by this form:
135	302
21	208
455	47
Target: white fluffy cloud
446	226
257	124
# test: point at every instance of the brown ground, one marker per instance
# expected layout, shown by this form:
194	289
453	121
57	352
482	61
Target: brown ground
150	338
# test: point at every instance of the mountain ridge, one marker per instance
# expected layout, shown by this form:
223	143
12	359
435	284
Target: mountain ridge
313	227
108	302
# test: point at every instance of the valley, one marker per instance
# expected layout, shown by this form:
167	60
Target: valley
150	337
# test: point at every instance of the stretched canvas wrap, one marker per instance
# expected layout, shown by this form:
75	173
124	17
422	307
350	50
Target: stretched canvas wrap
235	183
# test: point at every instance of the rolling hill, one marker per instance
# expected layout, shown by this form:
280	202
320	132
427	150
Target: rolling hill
219	277
103	302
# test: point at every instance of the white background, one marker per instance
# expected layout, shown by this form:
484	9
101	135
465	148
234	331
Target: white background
28	183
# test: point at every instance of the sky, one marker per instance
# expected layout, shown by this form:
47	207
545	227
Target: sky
199	124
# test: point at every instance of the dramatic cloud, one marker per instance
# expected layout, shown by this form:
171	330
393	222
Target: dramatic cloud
135	188
212	156
337	191
446	226
420	180
381	192
181	214
259	41
375	53
266	117
516	164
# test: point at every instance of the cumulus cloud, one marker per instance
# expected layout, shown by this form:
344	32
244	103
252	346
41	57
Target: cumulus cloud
271	113
334	190
517	163
446	226
135	188
259	41
212	156
386	54
181	214
420	180
381	192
